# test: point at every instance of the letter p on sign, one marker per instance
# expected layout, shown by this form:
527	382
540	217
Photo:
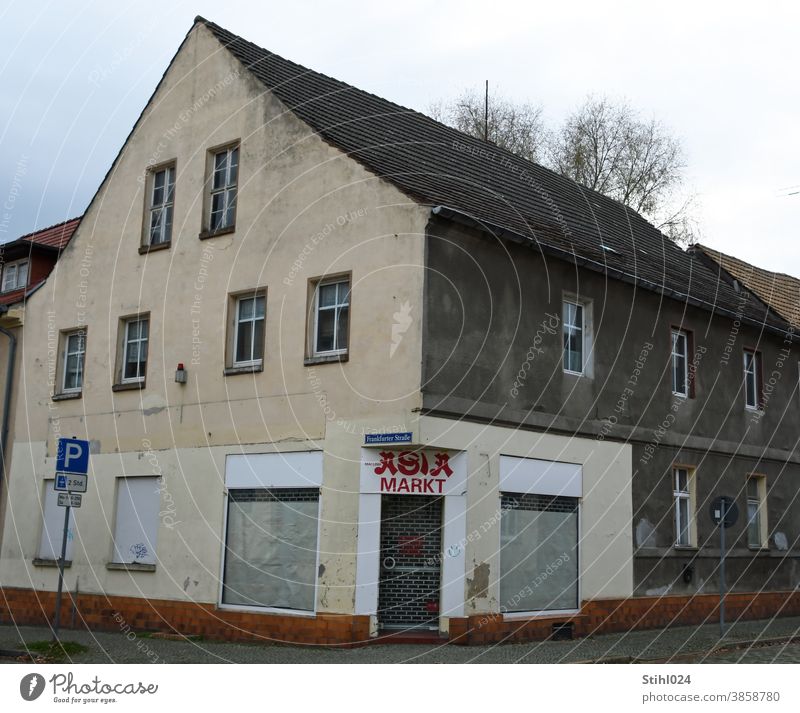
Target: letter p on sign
73	456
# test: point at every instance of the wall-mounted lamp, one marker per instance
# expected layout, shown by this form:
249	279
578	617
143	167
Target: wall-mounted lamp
180	374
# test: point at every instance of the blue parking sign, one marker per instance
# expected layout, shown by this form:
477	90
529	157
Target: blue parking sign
73	456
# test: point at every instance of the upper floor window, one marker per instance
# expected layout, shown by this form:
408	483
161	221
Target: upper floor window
684	505
752	379
162	196
680	363
573	329
331	317
249	330
756	517
222	189
134	349
73	359
15	275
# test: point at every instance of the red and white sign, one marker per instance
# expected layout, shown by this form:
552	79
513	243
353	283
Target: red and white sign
413	472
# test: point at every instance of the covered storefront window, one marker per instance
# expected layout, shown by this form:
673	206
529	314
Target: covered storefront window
539	553
271	547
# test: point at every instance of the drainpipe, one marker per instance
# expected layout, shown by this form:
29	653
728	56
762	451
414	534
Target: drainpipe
12	354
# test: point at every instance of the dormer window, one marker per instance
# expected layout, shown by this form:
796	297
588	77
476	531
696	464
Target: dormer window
15	276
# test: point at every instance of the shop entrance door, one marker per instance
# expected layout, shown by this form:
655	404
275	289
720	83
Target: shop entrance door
411	558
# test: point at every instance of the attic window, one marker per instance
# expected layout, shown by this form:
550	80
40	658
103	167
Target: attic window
15	275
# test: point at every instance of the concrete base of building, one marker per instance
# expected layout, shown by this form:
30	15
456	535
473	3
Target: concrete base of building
27	607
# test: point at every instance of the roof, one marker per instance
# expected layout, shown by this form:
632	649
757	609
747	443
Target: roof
56	236
51	239
780	291
439	166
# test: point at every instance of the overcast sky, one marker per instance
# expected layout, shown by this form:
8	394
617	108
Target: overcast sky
74	76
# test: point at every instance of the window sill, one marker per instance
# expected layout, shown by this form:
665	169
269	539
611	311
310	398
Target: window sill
130	567
758	549
67	396
39	562
686	548
131	386
249	369
326	359
206	234
144	249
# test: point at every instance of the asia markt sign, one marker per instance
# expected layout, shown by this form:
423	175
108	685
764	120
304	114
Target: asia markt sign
413	472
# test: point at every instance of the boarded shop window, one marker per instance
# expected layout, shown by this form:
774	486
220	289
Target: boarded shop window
53	526
136	523
271	548
539	553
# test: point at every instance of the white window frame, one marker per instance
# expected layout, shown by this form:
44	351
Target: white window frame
238	321
580	329
680	495
753	373
128	322
228	189
65	360
337	306
760	510
676	334
168	202
16	265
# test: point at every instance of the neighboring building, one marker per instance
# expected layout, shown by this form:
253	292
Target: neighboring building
25	264
781	292
565	388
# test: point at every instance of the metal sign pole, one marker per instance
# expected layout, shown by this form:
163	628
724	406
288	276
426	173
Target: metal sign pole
723	515
61	561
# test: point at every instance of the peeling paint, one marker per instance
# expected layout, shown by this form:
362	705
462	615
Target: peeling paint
478	586
645	533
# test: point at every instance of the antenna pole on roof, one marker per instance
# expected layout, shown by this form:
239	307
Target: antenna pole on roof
486	114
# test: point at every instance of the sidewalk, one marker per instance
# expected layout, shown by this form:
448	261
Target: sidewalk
683	644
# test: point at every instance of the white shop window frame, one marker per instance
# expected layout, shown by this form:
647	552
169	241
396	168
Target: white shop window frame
280	483
548	613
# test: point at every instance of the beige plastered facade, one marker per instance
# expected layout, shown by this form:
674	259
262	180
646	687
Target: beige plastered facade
304	210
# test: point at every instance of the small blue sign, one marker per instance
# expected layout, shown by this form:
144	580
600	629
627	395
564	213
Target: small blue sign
386	438
61	482
73	456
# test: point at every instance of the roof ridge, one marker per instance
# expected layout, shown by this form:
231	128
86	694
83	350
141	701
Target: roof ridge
49	227
408	110
710	250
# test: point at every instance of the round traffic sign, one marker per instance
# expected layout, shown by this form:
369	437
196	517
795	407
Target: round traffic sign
728	504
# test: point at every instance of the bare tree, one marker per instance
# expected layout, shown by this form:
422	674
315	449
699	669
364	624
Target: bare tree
513	126
608	147
603	145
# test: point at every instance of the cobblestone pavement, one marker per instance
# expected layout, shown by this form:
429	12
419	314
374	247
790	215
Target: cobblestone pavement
672	644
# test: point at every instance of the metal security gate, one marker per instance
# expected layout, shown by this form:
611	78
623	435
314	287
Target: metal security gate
411	547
